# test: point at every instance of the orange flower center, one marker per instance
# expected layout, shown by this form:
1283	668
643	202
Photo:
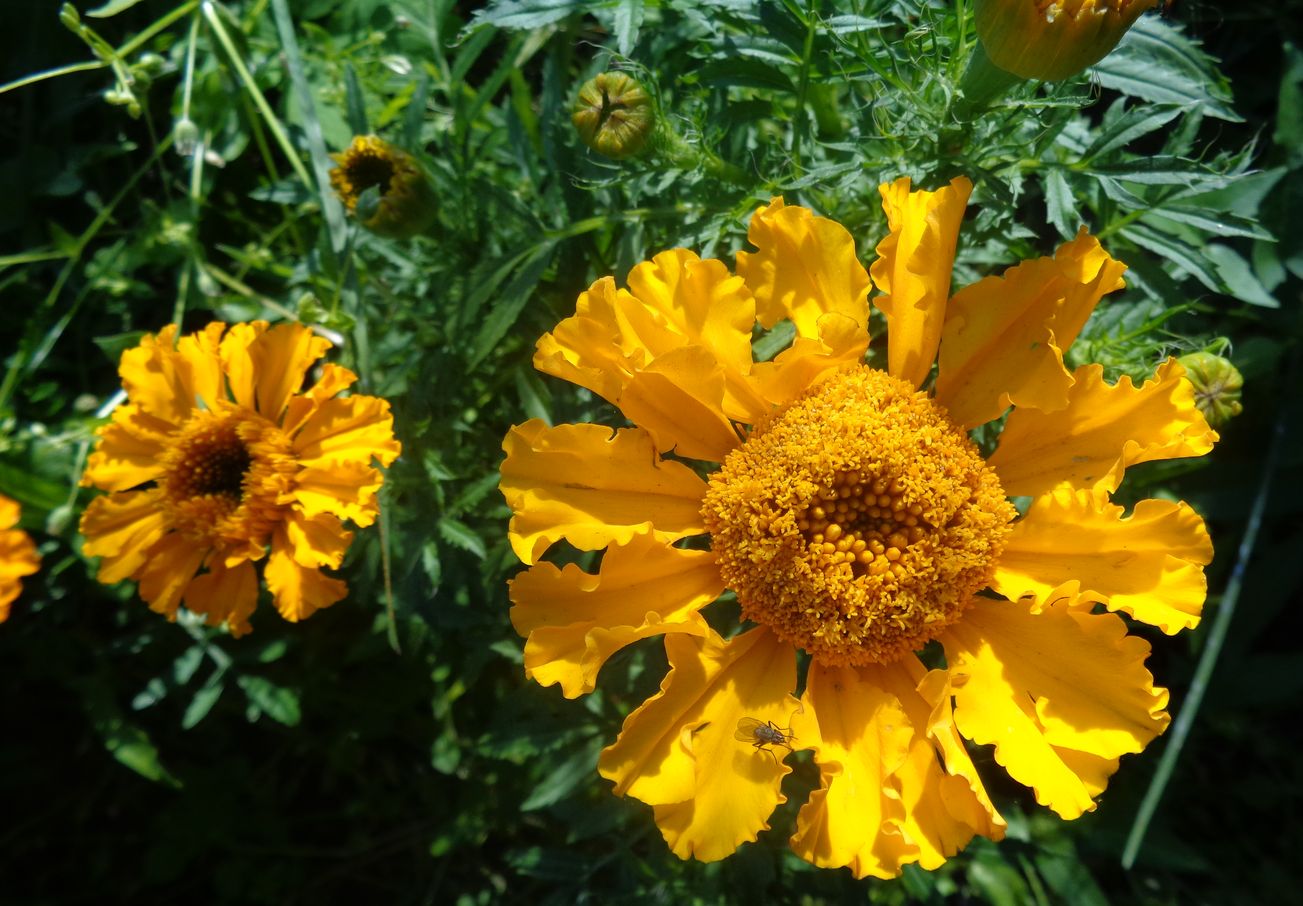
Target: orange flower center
228	476
858	521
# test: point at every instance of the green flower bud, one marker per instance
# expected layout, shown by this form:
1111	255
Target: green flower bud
384	187
614	115
1217	385
185	135
70	18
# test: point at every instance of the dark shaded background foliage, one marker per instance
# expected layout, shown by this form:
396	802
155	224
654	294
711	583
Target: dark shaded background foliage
154	762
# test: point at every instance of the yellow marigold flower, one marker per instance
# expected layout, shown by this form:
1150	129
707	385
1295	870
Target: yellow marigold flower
18	555
384	187
1053	39
217	461
854	520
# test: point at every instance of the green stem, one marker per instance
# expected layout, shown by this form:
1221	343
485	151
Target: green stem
89	66
277	131
679	153
983	82
803	87
1216	638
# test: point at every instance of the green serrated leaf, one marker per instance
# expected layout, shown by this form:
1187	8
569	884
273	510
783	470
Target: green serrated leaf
355	102
743	72
414	113
1238	277
460	535
201	704
126	742
509	303
1184	256
474	493
563	780
1155	61
521	14
1128	127
1060	206
628	21
279	703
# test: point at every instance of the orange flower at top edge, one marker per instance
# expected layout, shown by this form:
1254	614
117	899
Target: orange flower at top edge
18	555
217	461
1053	39
854	520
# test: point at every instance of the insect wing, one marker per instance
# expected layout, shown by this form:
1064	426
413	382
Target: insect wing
748	729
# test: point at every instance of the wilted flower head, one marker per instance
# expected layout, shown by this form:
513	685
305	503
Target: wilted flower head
855	520
384	187
18	555
1217	386
1053	39
218	460
614	115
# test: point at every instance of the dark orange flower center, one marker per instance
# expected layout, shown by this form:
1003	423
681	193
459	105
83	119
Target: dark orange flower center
227	477
858	521
368	168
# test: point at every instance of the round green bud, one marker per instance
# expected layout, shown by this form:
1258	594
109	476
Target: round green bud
1217	385
614	115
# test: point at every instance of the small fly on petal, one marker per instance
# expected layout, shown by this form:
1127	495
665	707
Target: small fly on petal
763	734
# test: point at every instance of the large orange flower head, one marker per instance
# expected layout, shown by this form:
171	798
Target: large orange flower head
218	461
854	519
18	555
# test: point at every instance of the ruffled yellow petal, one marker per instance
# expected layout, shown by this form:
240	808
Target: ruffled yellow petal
128	451
710	791
1004	337
945	803
592	487
120	529
156	379
237	361
805	268
841	342
675	301
165	577
225	595
298	591
913	271
1061	694
576	620
202	371
701	301
861	737
346	489
1076	544
678	400
317	541
334	379
356	429
280	357
1103	430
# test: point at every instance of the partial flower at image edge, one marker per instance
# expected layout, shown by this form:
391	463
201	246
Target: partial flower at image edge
18	556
